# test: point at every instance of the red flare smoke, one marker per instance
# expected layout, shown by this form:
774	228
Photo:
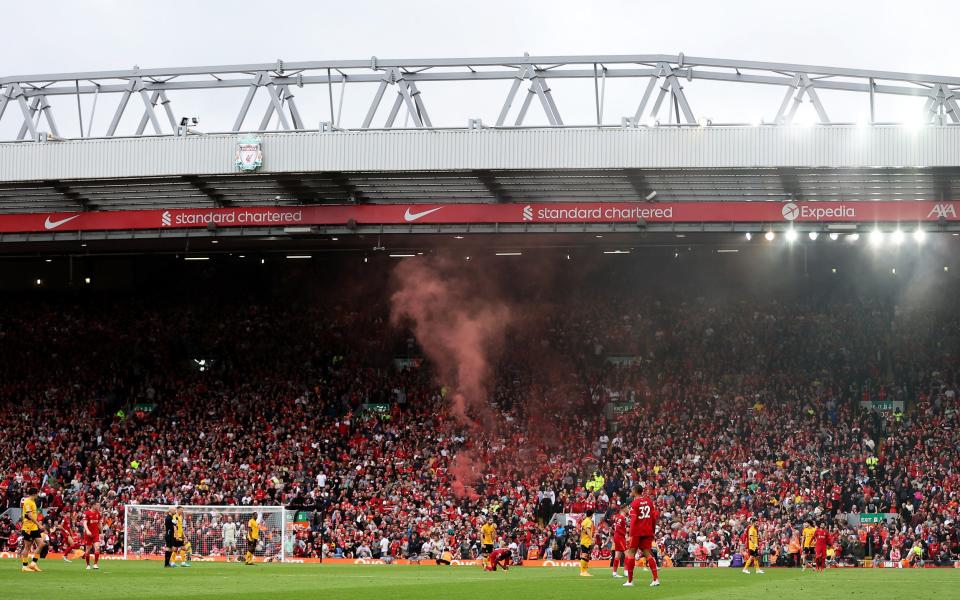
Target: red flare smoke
461	327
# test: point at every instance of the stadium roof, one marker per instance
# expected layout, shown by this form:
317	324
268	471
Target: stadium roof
479	185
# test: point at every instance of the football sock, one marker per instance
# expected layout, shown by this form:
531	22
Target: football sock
628	565
166	558
652	563
616	564
96	557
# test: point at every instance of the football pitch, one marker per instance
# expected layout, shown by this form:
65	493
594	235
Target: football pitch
209	581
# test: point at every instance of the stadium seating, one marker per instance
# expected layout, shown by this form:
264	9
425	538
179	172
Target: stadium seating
729	408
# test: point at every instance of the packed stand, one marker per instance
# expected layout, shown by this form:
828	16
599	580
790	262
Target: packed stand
728	409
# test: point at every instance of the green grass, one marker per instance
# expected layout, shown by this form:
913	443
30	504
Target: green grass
147	579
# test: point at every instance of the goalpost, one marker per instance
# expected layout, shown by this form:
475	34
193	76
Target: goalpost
143	530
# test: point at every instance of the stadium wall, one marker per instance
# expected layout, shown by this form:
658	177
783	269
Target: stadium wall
430	150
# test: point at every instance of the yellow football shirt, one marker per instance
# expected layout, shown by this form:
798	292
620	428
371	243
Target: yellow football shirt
586	532
28	507
753	538
808	533
487	533
178	527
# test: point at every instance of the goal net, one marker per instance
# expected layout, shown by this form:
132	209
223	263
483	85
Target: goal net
209	529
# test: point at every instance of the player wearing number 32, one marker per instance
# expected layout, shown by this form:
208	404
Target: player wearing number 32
643	523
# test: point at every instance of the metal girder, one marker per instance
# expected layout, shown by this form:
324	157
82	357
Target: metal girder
148	114
165	102
671	84
651	84
488	62
661	72
121	106
802	86
546	99
411	97
292	107
32	113
150	101
28	112
280	96
47	113
511	95
943	104
668	82
408	95
5	93
774	79
372	111
245	107
275	94
538	87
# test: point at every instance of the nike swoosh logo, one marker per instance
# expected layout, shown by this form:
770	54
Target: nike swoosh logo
48	224
410	216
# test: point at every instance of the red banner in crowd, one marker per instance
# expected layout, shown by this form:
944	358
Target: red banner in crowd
905	211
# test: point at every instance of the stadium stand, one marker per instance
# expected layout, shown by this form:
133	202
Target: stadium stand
729	406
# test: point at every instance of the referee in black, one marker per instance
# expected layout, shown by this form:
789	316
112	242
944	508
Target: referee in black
168	537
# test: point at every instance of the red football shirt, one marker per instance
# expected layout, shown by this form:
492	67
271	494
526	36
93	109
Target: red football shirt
92	520
643	517
620	527
821	540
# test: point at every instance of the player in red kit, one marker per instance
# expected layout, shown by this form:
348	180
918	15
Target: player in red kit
91	535
643	524
821	540
501	557
64	527
619	538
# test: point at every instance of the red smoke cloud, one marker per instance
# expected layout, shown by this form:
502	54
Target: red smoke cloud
461	318
465	470
460	325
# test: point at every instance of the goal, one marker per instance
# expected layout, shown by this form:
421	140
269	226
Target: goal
204	527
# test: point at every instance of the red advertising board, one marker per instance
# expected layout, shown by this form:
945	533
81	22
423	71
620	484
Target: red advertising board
904	211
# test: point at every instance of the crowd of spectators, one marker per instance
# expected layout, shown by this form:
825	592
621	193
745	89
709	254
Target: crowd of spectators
724	408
